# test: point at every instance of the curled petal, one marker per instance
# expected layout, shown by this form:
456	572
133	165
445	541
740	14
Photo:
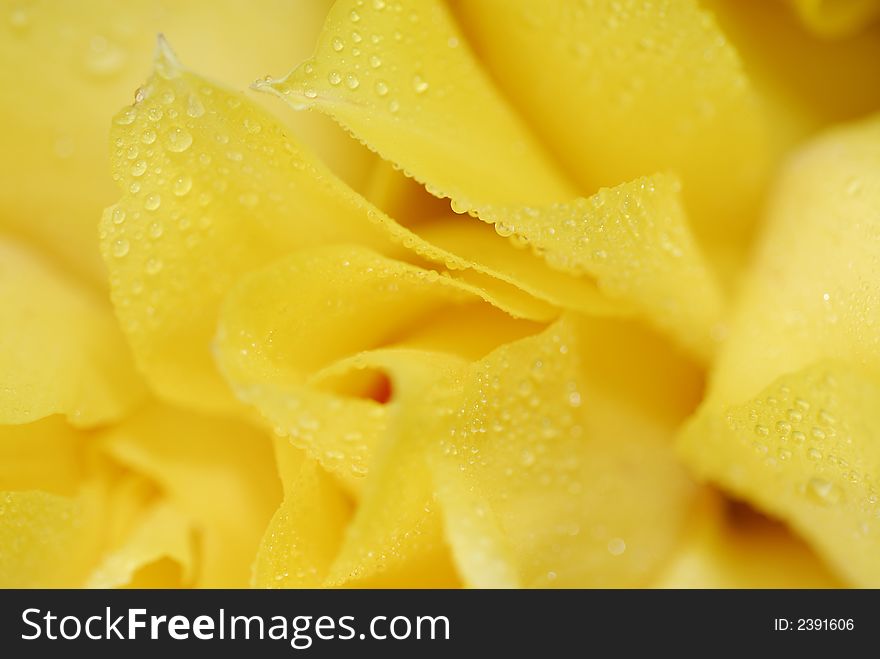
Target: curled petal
158	553
616	91
192	458
212	188
726	546
549	469
404	81
429	108
790	421
273	345
305	533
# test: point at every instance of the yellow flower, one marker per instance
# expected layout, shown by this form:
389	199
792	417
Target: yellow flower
485	316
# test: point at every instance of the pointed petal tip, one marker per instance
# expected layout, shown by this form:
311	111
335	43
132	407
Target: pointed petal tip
166	61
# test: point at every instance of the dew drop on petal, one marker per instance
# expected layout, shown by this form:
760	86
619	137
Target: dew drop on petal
120	248
179	139
616	546
182	184
152	202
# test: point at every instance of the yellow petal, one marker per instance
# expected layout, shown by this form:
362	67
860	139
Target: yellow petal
193	458
427	226
46	540
61	351
836	18
220	206
550	471
791	418
405	82
634	240
71	64
616	91
163	536
395	539
271	342
45	455
805	83
803	450
211	189
444	124
730	547
813	290
305	532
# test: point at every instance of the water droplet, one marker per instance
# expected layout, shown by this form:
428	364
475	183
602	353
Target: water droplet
616	546
179	139
354	16
64	147
148	137
120	248
818	433
156	230
854	187
153	201
252	126
574	399
139	168
393	106
381	87
334	77
815	454
823	492
153	266
761	430
375	61
338	44
420	85
194	106
118	215
309	92
783	427
826	417
503	229
19	19
351	81
103	57
126	117
798	437
249	199
182	184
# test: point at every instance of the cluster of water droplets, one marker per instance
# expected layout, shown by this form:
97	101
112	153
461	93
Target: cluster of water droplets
188	156
357	61
800	430
521	429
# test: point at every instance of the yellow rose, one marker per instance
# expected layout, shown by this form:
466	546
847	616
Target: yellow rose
571	282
